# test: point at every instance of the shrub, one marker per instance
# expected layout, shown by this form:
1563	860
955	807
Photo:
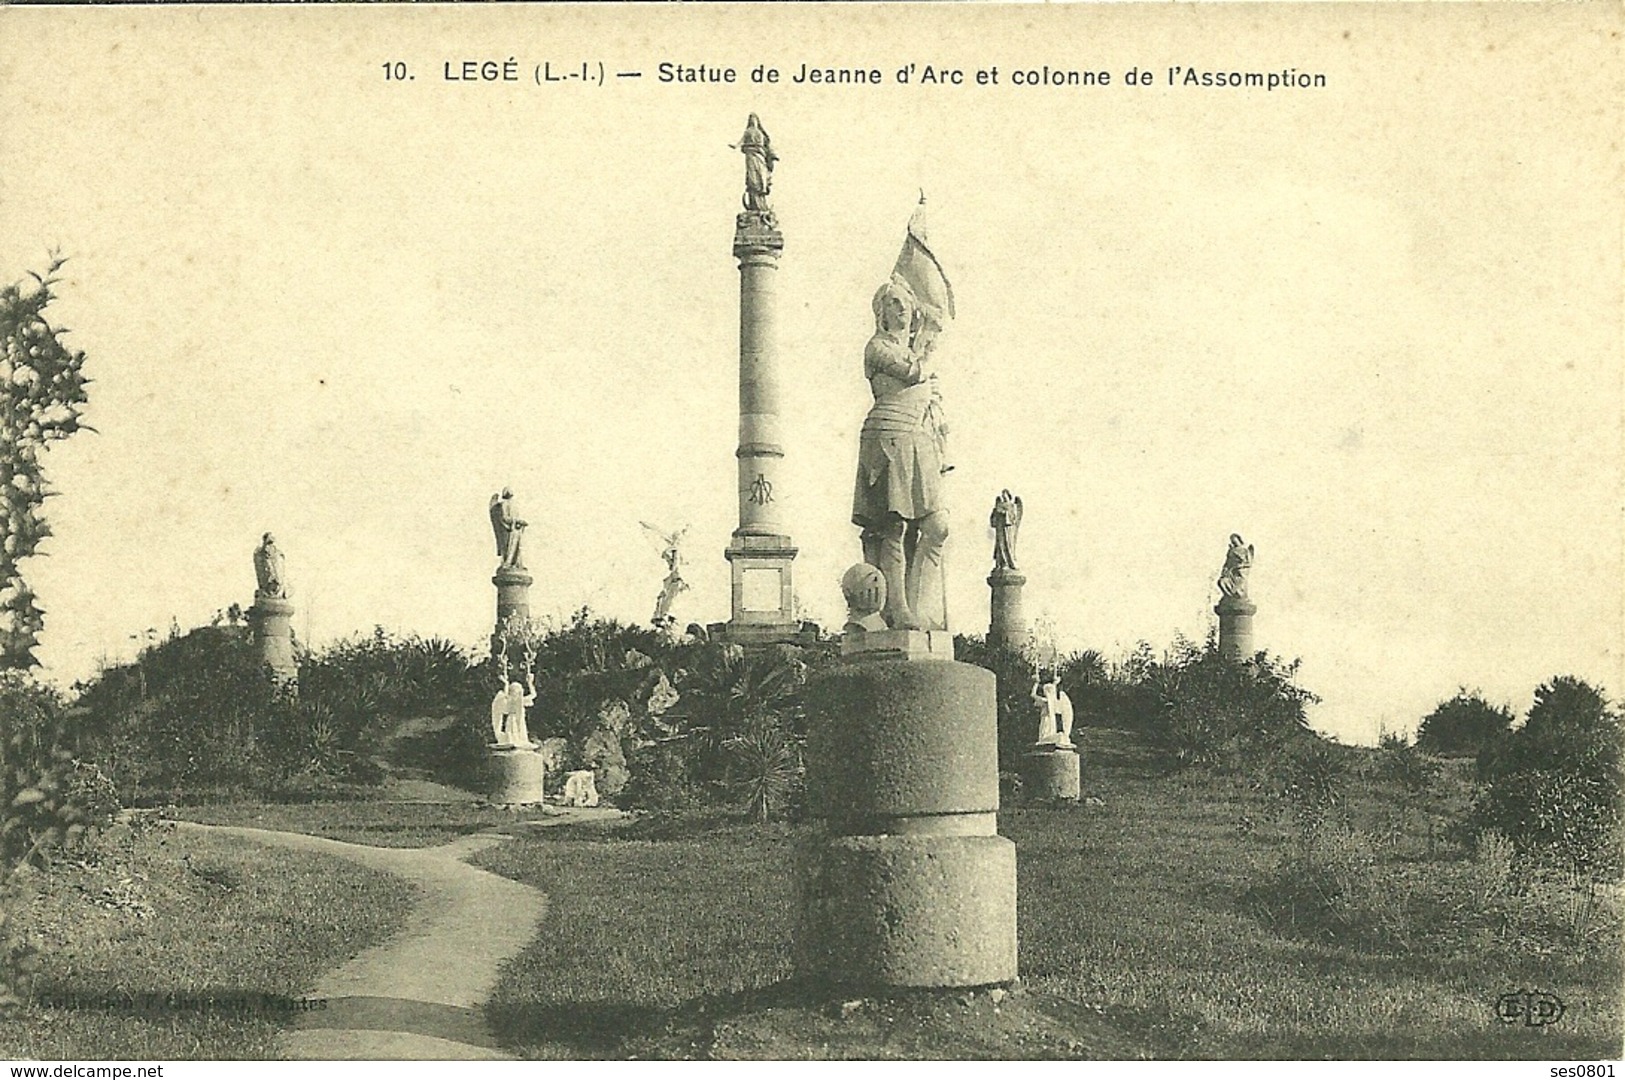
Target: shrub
682	725
764	768
1211	710
1490	870
192	716
1312	782
1015	673
1465	723
1554	785
47	801
662	779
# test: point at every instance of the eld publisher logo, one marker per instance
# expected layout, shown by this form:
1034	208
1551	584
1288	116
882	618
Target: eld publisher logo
1536	1008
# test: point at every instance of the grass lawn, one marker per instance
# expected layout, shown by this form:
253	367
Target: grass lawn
168	945
380	824
1139	938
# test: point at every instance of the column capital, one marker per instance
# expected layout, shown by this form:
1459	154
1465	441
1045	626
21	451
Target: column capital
757	236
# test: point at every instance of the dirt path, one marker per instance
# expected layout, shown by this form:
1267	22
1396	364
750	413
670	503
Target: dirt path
418	994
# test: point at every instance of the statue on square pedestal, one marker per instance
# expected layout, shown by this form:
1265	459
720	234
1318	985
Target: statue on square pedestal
902	450
1235	608
271	617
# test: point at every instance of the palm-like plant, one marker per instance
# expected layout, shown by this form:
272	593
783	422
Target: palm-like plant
764	767
731	694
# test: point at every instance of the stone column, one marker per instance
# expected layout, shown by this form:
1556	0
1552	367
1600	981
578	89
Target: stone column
513	597
1008	624
761	553
272	620
909	884
1236	628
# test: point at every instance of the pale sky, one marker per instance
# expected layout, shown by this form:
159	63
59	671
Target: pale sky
1374	327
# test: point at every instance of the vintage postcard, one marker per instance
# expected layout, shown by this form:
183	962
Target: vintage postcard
885	531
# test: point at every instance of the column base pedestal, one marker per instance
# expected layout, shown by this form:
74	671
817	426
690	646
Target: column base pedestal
272	620
907	911
762	590
514	774
1007	625
910	886
1051	773
1236	628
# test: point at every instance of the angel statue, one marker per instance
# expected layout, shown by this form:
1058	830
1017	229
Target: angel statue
1055	709
508	727
510	531
1006	522
1237	562
508	712
674	583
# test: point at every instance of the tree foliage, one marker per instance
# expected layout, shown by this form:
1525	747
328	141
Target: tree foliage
42	388
1210	710
198	715
1554	786
1466	722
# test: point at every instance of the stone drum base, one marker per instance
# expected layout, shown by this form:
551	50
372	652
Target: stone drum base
909	887
907	911
514	774
1051	774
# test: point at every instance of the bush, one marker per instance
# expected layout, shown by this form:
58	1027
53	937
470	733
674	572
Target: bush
1213	711
48	800
1015	673
765	769
198	716
1554	785
662	779
1311	782
683	725
192	716
45	800
1465	723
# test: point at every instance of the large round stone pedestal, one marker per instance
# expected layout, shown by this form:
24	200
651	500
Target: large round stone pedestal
910	886
1051	774
514	774
1236	628
272	620
908	911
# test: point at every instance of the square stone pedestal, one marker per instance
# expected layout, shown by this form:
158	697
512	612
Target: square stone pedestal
898	645
763	590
